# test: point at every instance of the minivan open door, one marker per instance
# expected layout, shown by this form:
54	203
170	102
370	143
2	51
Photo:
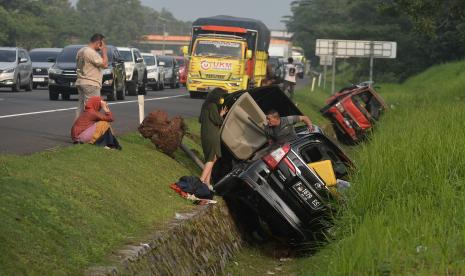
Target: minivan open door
243	128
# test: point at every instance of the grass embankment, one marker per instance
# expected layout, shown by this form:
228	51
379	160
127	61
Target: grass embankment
405	212
63	210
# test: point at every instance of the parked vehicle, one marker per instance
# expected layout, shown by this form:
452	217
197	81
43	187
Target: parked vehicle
136	70
279	190
227	52
42	59
182	63
62	75
15	69
353	112
171	69
277	67
300	69
155	73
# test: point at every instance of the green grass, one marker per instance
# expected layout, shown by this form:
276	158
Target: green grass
405	212
66	209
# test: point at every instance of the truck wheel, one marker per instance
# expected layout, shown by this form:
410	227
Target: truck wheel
192	94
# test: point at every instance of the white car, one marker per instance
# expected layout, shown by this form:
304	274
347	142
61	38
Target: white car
136	70
155	73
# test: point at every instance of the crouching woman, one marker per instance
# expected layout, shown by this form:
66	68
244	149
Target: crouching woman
93	126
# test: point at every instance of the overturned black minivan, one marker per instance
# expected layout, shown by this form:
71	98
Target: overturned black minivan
281	190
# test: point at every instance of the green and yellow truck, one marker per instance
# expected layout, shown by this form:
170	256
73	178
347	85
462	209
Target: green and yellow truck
227	52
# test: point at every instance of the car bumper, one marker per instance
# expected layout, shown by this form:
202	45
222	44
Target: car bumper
7	79
40	79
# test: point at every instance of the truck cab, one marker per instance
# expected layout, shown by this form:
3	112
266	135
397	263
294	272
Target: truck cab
226	52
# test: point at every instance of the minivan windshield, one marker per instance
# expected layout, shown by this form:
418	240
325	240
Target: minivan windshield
7	55
218	48
126	55
68	55
42	56
149	60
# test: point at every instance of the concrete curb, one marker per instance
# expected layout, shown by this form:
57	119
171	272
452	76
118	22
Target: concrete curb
197	243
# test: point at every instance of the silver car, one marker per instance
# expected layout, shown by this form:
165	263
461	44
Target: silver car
42	60
15	69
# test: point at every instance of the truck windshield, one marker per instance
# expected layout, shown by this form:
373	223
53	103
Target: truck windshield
7	55
218	49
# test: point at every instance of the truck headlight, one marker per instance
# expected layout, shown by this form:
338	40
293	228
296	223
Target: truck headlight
194	75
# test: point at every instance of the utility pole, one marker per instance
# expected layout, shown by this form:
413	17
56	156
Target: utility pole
333	85
372	54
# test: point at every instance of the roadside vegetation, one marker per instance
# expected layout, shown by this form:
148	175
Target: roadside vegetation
65	209
404	213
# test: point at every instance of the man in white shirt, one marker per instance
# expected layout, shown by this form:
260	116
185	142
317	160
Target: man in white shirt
290	78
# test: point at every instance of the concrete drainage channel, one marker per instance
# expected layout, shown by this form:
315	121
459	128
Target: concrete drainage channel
197	243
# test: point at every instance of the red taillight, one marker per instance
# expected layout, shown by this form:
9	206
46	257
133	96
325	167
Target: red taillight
272	160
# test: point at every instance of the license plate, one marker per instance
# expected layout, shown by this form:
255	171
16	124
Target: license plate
38	79
305	194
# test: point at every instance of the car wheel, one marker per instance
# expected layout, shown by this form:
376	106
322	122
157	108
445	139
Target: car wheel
52	94
142	90
162	85
29	84
112	96
65	96
16	86
121	93
132	85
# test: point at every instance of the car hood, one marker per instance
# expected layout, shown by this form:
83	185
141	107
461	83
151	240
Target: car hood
66	65
6	65
42	64
242	131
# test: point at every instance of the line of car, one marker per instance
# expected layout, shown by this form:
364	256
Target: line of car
130	72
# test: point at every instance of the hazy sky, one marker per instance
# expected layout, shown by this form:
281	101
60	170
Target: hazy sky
268	11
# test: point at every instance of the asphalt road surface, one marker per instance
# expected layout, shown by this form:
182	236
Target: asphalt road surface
30	122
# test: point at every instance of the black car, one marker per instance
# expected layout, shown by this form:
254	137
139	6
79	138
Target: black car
274	188
62	75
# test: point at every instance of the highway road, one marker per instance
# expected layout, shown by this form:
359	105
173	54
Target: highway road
30	122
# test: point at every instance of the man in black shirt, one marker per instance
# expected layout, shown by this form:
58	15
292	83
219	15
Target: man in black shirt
281	129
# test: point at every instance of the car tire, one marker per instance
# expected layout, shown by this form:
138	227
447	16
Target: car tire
53	94
65	96
16	86
132	85
34	86
121	93
29	85
142	89
162	85
113	94
173	84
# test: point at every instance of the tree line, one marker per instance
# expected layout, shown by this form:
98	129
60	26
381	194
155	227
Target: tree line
56	23
427	32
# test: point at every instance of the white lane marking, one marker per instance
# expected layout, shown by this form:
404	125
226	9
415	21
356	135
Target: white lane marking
74	108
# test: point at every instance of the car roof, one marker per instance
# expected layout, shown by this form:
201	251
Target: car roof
46	50
74	46
127	48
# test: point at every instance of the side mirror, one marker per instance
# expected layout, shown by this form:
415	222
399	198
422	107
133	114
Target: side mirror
22	60
51	59
185	50
248	54
139	60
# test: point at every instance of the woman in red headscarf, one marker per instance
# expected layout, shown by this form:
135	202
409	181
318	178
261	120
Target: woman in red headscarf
93	126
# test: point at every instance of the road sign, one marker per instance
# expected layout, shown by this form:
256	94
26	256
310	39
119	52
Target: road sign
356	48
326	60
337	48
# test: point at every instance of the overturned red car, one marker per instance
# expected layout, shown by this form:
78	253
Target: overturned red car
353	112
